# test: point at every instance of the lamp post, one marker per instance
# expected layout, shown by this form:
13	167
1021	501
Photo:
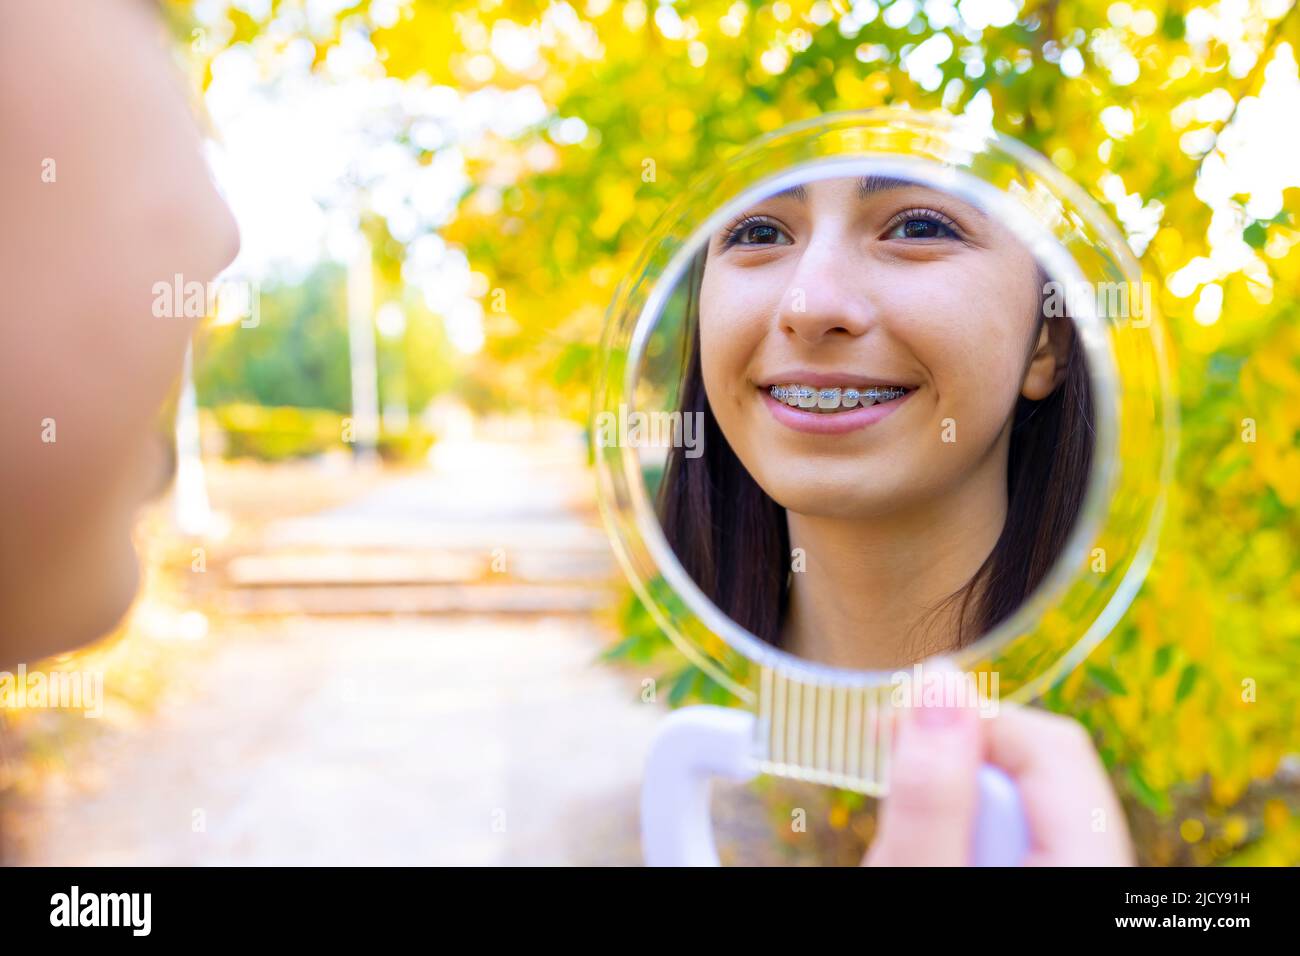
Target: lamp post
191	510
361	351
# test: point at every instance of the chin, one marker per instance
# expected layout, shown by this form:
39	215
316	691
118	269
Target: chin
119	596
845	510
827	496
64	612
106	610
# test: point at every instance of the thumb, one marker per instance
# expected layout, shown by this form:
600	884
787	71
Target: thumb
928	817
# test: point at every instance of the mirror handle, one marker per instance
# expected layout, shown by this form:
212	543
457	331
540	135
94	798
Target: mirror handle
696	744
692	746
1001	835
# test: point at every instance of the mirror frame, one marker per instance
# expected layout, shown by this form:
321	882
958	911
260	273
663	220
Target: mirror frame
1076	605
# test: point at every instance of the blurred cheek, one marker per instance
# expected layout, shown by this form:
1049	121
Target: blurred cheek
145	475
157	466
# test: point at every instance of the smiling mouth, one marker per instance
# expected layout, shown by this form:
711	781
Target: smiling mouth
833	400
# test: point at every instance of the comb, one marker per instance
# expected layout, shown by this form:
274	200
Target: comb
824	733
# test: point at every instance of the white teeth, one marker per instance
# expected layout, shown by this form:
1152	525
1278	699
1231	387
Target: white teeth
830	399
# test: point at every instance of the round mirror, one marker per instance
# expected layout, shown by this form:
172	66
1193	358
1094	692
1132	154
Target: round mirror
884	386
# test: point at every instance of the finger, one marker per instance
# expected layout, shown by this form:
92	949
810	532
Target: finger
1074	816
927	817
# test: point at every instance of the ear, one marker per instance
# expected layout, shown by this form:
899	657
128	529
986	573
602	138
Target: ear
1051	353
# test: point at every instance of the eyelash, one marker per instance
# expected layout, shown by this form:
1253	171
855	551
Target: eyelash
732	233
929	215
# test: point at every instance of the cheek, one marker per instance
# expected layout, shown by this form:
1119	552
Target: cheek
969	330
732	327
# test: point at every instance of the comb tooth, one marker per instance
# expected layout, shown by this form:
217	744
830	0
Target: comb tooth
792	755
808	740
837	731
869	722
853	733
824	733
884	738
824	728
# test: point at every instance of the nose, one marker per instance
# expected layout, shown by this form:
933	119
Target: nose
827	294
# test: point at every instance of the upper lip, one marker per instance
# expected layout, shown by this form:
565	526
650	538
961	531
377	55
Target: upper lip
832	379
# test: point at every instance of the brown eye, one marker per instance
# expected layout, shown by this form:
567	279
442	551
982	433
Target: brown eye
755	232
922	224
923	229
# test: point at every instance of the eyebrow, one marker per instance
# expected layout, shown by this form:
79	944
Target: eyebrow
867	186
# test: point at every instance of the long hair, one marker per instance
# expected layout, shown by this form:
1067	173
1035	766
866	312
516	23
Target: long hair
733	540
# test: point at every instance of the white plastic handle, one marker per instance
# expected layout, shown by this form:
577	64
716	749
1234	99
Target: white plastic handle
1001	835
696	744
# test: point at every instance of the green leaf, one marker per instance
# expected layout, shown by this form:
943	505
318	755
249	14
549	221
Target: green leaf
1164	657
1053	698
685	682
632	647
576	358
1186	682
1107	680
1125	641
1256	234
1146	795
1224	470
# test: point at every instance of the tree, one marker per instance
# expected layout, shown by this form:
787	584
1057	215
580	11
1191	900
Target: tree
1192	699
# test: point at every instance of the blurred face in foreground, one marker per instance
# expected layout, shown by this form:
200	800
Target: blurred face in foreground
105	193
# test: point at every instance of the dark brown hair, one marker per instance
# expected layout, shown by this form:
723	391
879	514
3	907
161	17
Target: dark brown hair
732	537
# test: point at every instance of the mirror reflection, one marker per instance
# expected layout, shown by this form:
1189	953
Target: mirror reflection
891	417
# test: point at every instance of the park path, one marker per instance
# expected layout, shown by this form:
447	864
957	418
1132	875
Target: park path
408	678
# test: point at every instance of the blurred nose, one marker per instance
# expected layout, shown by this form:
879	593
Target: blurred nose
828	294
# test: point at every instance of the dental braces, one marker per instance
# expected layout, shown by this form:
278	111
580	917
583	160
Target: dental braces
807	397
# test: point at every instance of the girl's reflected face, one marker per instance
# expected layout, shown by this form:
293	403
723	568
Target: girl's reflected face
855	284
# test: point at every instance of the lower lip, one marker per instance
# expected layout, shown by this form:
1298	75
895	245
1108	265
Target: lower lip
830	423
